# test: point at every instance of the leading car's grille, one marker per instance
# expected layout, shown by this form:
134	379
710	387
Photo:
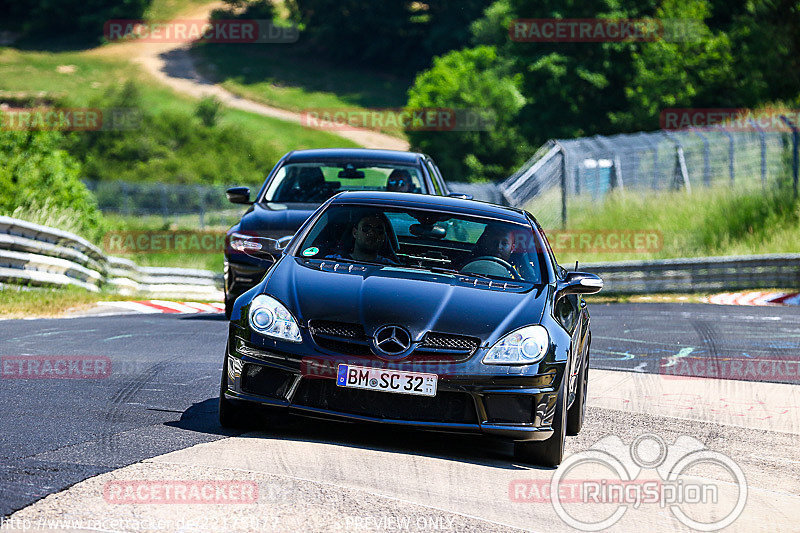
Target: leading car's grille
350	339
446	406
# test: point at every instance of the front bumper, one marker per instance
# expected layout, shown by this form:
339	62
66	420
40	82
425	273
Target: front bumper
512	407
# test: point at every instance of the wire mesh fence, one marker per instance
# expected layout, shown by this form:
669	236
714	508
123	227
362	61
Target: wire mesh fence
160	199
693	160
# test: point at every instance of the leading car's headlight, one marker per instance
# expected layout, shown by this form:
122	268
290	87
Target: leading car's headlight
269	317
521	347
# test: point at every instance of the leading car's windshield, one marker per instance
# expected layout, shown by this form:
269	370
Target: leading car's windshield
316	182
432	240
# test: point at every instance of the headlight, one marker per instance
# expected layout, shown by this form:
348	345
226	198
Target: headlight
269	317
244	243
521	347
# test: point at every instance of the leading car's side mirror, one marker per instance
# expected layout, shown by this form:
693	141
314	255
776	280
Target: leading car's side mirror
238	195
461	195
579	283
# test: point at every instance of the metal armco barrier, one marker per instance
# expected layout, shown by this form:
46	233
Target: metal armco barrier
703	274
32	254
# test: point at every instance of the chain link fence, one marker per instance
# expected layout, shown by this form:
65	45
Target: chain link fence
692	160
160	199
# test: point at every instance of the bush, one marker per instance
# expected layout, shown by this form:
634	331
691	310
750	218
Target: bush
208	111
40	182
473	79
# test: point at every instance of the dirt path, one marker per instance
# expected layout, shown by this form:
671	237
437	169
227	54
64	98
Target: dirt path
173	65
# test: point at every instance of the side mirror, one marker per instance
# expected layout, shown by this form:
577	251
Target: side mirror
460	195
578	283
238	195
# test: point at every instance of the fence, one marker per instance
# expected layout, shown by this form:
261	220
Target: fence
32	254
161	199
689	160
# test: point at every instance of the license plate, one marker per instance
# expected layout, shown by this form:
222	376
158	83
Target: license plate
381	379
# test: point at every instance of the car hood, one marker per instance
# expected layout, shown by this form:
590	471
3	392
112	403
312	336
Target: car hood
276	220
419	300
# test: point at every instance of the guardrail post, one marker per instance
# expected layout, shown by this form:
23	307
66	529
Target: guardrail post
795	141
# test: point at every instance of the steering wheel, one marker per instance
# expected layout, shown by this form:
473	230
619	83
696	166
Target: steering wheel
502	262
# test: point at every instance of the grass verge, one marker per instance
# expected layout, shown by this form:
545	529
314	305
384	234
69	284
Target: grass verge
22	302
708	222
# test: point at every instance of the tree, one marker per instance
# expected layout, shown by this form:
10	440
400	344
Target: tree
476	81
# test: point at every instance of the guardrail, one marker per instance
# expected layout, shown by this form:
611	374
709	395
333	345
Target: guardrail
702	274
33	254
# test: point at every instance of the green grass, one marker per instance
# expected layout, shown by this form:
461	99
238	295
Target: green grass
707	222
282	76
18	302
167	9
36	71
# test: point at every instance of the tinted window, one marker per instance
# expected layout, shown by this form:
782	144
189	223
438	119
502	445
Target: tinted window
316	182
425	239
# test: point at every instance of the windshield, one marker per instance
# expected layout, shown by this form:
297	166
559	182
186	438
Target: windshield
316	182
445	242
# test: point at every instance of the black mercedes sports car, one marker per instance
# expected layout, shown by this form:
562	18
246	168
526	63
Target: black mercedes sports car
425	311
298	185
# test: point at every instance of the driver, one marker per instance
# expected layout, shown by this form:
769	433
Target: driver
369	236
499	241
399	181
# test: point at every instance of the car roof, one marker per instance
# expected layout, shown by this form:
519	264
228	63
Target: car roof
426	201
353	154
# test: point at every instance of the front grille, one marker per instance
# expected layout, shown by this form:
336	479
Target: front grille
340	337
447	344
350	339
337	329
266	381
452	407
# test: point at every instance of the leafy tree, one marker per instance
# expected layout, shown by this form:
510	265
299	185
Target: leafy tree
69	18
476	80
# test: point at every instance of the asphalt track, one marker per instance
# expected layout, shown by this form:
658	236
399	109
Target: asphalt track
160	397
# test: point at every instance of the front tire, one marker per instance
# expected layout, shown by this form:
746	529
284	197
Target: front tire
577	413
548	452
231	416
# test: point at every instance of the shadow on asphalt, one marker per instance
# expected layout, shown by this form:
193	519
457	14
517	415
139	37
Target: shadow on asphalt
474	449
